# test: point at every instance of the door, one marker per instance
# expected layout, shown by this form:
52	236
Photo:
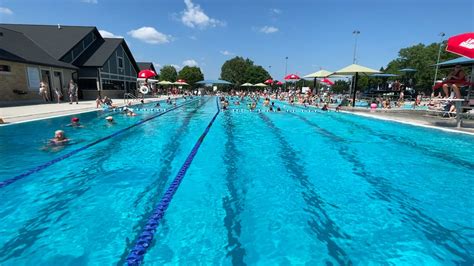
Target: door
58	82
46	77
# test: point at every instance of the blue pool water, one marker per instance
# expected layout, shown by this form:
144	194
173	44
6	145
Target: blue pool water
288	188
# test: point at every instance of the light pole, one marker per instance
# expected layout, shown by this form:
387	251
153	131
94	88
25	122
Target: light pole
439	55
286	70
356	33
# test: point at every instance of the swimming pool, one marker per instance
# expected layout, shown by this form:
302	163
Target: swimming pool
264	188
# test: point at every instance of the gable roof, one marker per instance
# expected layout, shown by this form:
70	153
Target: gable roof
146	65
55	40
98	55
15	46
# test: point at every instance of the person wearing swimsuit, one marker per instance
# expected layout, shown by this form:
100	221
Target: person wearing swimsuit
454	80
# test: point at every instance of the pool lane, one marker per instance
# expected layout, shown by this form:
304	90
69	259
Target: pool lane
93	205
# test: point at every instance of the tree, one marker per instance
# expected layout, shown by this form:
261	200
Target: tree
239	70
422	58
191	74
256	74
168	73
340	86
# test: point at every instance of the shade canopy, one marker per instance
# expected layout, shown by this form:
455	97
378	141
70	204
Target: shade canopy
260	85
463	61
214	81
383	75
246	85
164	82
279	83
462	44
353	69
407	70
327	81
319	74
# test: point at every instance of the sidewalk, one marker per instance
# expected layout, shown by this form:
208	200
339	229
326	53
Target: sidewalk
18	114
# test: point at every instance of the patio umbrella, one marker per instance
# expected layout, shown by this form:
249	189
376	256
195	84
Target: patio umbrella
292	77
147	73
260	85
246	85
268	81
180	83
355	70
462	44
327	81
279	83
164	82
319	74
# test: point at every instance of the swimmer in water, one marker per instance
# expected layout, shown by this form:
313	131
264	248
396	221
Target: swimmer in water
110	120
157	104
59	138
74	123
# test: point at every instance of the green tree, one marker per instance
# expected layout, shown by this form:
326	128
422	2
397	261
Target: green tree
239	70
168	73
256	74
191	74
340	86
422	58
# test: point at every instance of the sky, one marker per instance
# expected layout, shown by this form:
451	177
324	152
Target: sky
312	34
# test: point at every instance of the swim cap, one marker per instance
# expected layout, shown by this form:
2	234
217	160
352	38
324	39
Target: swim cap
75	119
109	118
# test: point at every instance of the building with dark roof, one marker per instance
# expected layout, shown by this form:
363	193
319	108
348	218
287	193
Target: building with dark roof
56	54
146	66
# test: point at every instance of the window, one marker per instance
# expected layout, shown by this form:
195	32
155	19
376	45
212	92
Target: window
108	84
5	68
87	84
120	62
33	77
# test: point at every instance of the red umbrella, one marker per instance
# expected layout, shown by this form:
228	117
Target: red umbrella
147	73
292	77
462	44
327	81
279	83
268	81
181	80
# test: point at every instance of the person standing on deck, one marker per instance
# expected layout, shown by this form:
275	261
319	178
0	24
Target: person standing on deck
72	89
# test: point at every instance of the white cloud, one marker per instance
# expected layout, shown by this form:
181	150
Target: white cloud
176	66
268	29
225	52
193	16
108	34
150	35
157	66
6	11
276	11
190	62
90	1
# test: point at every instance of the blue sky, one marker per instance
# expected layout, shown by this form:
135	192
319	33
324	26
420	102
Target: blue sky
313	34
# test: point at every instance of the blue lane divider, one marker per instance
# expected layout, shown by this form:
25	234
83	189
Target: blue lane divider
67	155
137	253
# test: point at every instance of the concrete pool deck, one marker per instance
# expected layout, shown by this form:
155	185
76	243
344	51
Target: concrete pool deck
417	118
25	113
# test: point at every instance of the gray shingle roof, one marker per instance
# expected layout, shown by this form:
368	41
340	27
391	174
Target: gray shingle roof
56	41
103	52
146	65
15	46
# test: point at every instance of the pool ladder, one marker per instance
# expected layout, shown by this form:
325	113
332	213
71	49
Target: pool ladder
127	96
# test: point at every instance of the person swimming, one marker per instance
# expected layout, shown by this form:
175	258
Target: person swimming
74	123
59	138
110	120
157	104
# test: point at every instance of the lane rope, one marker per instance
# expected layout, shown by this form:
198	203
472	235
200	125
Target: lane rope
67	155
137	254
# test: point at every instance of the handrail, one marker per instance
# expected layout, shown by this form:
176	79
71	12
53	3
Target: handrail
129	96
137	253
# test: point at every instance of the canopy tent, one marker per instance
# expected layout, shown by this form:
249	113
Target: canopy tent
214	82
383	75
355	70
463	61
407	70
